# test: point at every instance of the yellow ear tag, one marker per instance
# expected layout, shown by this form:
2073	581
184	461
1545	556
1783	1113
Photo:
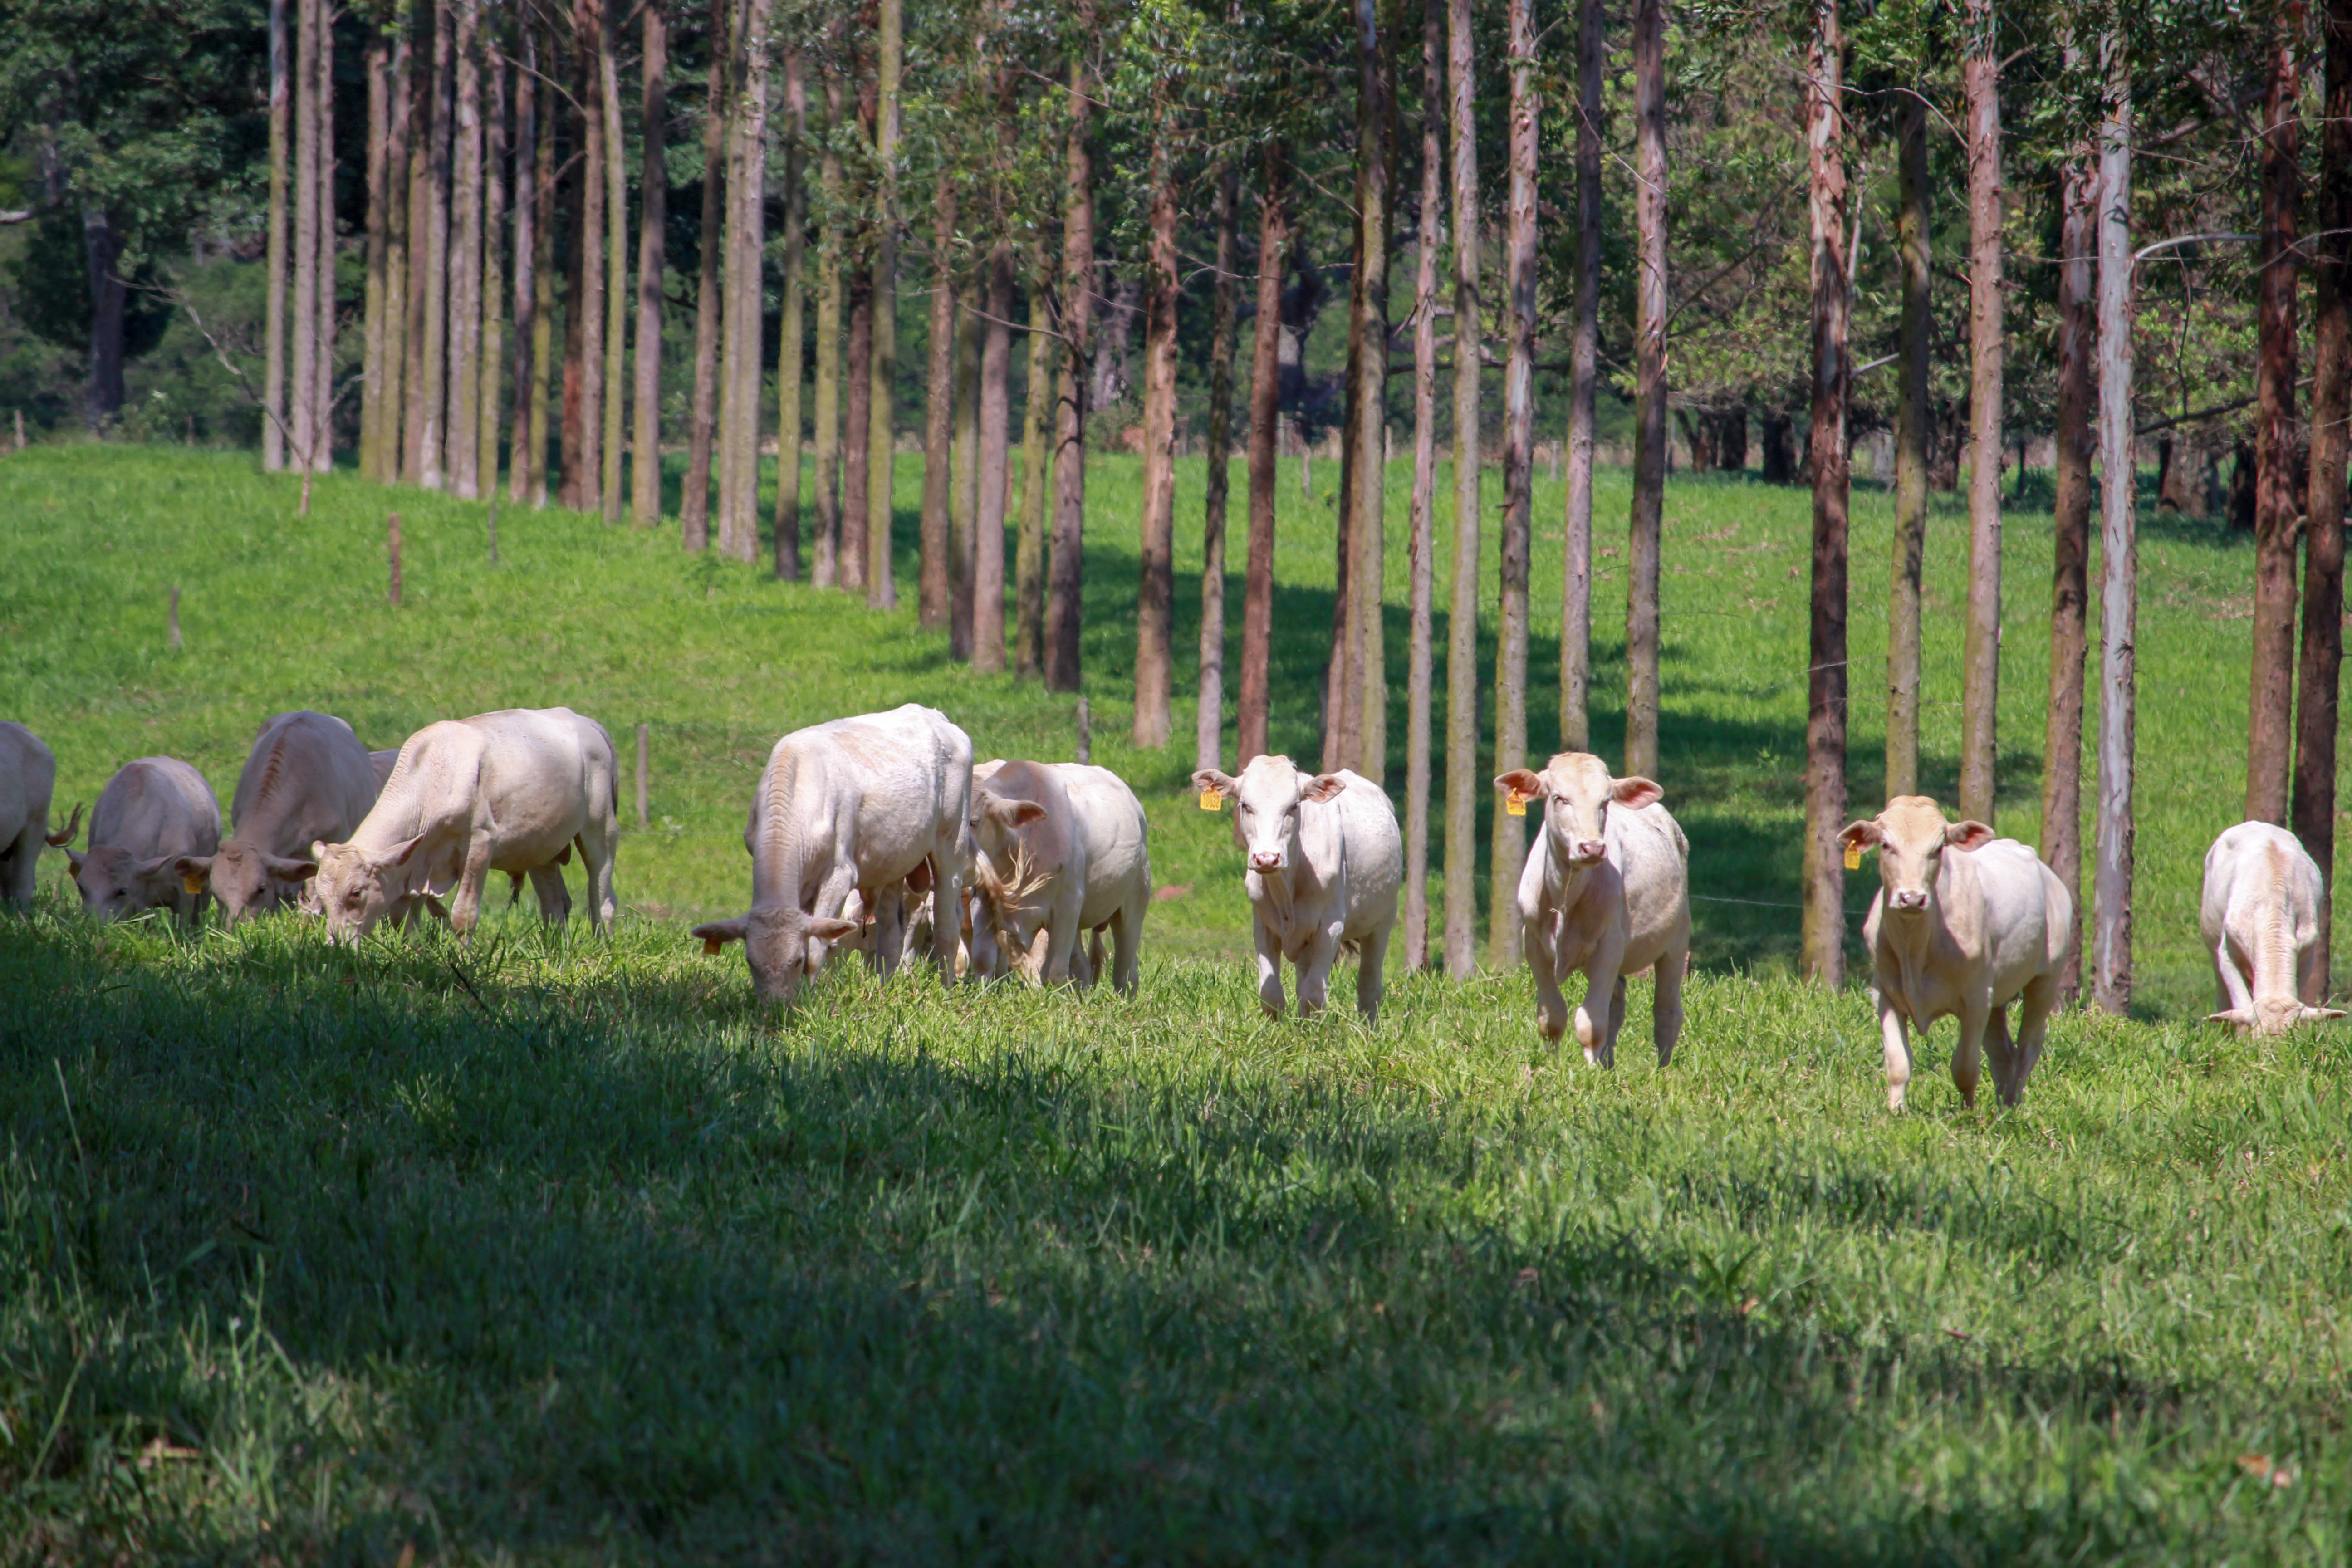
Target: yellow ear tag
190	884
1853	856
711	944
1213	800
1515	803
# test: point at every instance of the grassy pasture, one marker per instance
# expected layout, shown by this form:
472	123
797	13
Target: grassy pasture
559	1249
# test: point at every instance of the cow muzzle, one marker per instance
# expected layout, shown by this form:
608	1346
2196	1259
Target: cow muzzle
1908	901
1265	860
1587	852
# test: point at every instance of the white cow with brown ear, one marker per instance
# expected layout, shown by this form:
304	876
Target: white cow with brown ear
1606	890
28	773
1964	924
2259	917
308	781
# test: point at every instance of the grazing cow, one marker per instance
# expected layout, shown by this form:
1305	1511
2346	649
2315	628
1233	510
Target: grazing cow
855	804
514	791
1964	924
28	775
308	780
1607	891
1326	862
151	813
1060	852
2261	916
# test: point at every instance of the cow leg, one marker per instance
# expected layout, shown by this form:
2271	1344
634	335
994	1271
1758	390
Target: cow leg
1369	977
1085	966
1594	1031
598	850
1895	1039
466	908
1315	971
832	896
1062	921
2237	996
1127	945
947	951
1539	936
889	906
2033	1009
554	898
20	875
1666	1006
1033	963
2000	1054
1269	968
1966	1056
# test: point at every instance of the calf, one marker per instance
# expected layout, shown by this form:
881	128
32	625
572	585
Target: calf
514	791
1060	852
150	813
1607	891
1964	924
2261	916
854	804
1326	862
308	780
28	774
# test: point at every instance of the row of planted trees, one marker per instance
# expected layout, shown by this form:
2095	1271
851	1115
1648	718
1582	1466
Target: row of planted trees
499	218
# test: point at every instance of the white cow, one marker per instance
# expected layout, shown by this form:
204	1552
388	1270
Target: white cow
854	804
1060	851
28	774
1607	891
514	791
2259	917
1326	863
150	813
1964	924
308	780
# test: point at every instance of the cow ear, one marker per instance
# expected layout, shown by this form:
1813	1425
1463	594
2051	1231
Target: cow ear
829	930
287	870
319	847
718	934
2236	1016
1968	834
156	870
1325	788
1210	778
1021	813
400	856
1525	782
2321	1013
195	871
1861	836
1635	793
74	858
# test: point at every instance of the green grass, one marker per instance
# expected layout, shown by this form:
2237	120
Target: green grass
561	1249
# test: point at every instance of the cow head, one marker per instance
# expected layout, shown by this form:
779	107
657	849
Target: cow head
1266	801
779	943
1008	881
114	883
2273	1014
1577	793
355	889
246	878
1911	836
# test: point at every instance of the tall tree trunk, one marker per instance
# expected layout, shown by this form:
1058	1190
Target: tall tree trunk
694	500
464	361
1155	600
1343	687
585	486
1823	930
2070	587
1980	656
1421	541
376	64
1583	379
2111	963
858	430
789	351
1462	790
323	384
963	473
273	374
1251	714
391	396
440	150
1650	389
653	233
1367	496
1911	241
2317	683
304	328
995	428
2271	716
747	186
826	391
616	259
881	581
1037	470
415	397
1509	850
494	136
524	467
1209	711
538	421
1066	584
934	587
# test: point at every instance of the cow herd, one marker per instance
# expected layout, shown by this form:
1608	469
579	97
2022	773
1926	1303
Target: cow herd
878	832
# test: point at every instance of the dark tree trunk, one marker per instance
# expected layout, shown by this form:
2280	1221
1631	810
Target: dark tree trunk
1065	575
653	228
1209	712
2062	767
933	581
1155	605
1911	445
2271	693
1642	694
102	249
1981	655
1823	926
1265	453
995	435
858	430
702	421
1583	381
2111	962
1462	783
1507	846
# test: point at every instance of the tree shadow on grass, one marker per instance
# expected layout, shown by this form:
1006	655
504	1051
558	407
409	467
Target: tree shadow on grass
629	1267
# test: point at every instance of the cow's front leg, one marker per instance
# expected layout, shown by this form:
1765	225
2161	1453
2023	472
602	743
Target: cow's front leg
2237	996
1666	1006
1315	970
947	949
1539	936
1896	1042
1598	1013
1370	975
1270	968
889	906
1967	1055
554	898
2000	1054
466	906
2035	1005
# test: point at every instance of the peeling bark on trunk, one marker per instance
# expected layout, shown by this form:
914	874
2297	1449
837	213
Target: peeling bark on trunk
459	458
371	376
537	418
615	257
2111	962
746	247
1643	541
274	346
793	329
2070	588
1980	656
1367	491
1252	710
1155	603
1064	572
1037	471
934	591
493	361
392	394
1209	710
694	500
1910	452
963	473
995	432
1822	938
1583	378
586	486
857	428
1508	847
1462	781
652	232
322	385
1420	540
419	263
2271	696
303	350
881	582
826	381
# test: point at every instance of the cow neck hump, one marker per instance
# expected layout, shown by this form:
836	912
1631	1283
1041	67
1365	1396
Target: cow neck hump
2274	941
